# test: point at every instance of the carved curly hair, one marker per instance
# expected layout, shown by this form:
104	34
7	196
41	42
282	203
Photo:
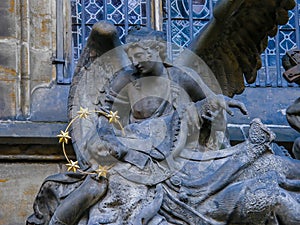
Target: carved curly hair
147	39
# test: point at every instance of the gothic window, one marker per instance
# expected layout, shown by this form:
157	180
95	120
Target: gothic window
181	20
123	13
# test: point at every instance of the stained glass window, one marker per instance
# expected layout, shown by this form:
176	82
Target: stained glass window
123	13
182	20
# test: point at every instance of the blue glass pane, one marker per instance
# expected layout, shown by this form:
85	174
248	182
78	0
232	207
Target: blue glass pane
180	32
77	41
287	41
76	11
88	30
200	9
115	11
198	25
180	9
121	31
85	13
291	22
180	29
93	11
137	12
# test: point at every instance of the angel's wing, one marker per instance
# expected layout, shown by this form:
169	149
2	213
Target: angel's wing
232	42
102	57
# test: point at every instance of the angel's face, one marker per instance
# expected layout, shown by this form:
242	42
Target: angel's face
144	60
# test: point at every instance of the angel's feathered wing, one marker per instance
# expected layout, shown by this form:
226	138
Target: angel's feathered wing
102	57
232	42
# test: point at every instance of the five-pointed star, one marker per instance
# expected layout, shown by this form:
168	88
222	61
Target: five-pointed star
64	137
113	117
83	113
73	166
102	171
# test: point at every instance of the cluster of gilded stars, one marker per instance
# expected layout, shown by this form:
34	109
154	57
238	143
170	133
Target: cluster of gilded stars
64	138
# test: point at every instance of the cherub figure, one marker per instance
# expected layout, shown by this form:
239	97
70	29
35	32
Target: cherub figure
155	99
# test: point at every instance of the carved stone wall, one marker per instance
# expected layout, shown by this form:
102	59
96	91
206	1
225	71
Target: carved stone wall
19	183
28	42
32	106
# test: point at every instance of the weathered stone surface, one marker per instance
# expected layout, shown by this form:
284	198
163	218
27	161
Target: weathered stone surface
42	16
7	98
50	103
8	57
270	105
7	22
18	185
27	48
8	79
41	69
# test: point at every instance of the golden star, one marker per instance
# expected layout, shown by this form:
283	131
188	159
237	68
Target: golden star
83	112
73	166
113	117
64	137
102	171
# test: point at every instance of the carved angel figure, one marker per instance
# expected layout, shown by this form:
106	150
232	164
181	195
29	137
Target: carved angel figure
165	133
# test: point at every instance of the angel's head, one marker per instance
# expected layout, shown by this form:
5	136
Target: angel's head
146	48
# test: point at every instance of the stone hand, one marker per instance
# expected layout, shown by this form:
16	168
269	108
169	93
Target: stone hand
215	105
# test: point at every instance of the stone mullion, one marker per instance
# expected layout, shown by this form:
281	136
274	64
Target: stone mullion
68	43
23	96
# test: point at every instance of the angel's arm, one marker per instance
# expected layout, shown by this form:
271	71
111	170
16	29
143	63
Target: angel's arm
199	91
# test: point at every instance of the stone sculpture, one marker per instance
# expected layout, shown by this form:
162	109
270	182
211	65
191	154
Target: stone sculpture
291	62
150	135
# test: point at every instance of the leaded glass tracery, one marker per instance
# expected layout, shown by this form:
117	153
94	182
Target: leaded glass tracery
182	20
123	13
180	14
